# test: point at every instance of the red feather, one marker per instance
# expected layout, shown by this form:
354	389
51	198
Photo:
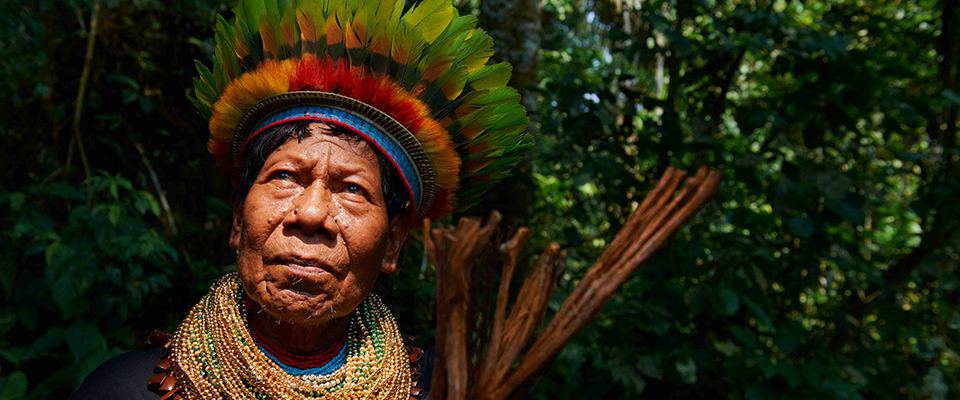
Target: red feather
322	74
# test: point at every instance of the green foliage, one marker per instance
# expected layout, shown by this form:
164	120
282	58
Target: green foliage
74	276
826	268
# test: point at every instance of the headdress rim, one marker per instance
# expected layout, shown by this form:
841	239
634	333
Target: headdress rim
386	124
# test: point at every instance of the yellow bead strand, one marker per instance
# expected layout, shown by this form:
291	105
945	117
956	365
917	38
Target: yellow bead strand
216	357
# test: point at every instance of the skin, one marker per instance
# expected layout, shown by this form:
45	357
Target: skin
312	236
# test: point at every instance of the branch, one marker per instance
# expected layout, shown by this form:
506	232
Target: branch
457	253
81	93
648	230
171	223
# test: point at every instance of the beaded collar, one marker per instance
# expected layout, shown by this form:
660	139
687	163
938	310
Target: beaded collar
214	356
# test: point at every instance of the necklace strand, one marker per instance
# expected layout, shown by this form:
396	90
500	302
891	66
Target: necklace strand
217	357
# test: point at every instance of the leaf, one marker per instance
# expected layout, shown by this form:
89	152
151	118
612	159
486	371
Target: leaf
726	348
790	373
147	104
124	80
50	251
847	211
649	365
834	185
812	373
114	189
687	370
951	97
788	341
766	367
57	189
83	338
50	338
123	182
696	298
12	355
753	306
113	213
744	336
15	386
16	201
65	290
144	202
728	303
759	391
129	96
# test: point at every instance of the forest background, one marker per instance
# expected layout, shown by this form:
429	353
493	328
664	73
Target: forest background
827	267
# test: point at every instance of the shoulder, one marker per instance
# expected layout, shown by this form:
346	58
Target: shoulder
122	377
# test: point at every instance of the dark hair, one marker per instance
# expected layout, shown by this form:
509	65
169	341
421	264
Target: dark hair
261	146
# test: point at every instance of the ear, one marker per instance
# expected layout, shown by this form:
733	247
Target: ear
396	238
235	230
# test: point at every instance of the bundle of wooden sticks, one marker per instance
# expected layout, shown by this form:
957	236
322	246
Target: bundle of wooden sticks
479	347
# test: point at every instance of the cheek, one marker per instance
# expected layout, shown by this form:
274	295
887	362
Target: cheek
261	218
364	229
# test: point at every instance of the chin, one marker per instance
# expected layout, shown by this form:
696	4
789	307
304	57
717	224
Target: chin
295	305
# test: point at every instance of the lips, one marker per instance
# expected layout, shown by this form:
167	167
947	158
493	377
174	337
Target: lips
302	265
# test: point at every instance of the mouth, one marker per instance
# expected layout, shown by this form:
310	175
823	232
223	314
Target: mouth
302	265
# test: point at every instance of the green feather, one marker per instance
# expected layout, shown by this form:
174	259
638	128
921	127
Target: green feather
208	89
430	17
445	89
224	38
331	7
250	11
203	109
334	30
479	48
250	42
489	76
450	39
356	37
405	50
289	35
218	76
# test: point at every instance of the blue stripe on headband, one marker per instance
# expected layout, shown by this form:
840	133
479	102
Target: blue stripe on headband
368	131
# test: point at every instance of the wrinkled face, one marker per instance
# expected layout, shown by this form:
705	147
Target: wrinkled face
313	232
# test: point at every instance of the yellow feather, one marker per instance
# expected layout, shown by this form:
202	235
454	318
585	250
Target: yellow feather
405	50
490	76
431	17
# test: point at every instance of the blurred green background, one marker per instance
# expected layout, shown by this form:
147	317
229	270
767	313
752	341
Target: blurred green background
827	268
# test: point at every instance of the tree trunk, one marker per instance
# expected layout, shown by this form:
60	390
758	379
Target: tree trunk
515	28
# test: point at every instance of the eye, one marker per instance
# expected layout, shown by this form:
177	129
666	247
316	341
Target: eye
354	188
282	175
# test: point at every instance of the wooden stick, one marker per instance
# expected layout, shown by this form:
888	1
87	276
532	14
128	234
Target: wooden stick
577	312
476	349
511	251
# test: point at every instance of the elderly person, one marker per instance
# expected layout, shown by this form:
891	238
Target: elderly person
343	128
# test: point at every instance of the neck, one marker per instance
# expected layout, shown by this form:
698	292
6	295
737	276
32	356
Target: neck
296	339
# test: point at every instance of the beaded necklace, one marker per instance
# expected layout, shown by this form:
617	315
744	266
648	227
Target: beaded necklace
217	357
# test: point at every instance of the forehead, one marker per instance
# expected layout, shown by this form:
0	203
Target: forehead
323	142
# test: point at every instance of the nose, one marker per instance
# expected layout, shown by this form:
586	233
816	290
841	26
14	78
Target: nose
313	212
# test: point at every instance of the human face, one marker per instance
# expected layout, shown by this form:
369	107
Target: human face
313	232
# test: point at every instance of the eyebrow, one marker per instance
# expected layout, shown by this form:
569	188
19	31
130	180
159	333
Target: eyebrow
368	173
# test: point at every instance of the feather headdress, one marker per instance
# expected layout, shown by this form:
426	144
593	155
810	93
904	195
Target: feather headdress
414	83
